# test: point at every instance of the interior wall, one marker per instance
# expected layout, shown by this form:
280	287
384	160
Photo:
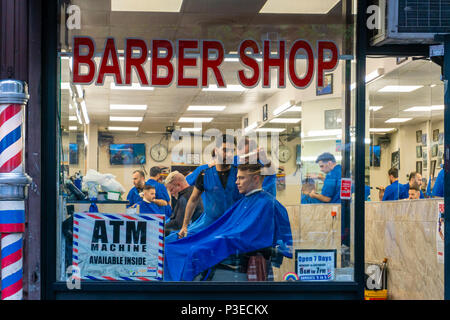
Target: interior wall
405	140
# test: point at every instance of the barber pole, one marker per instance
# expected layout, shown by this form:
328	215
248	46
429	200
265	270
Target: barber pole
13	186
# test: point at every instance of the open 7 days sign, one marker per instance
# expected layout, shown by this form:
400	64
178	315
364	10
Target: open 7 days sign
315	265
118	247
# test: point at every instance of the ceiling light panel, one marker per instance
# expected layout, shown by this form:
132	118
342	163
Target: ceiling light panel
126	119
399	88
188	119
286	120
147	5
123	128
298	6
397	120
206	108
128	107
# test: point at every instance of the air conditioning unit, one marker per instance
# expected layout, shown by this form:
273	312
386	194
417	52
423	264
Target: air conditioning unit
410	21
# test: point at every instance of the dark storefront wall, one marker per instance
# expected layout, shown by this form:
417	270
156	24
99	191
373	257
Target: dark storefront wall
42	196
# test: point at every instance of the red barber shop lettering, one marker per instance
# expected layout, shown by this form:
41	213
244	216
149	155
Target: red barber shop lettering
176	61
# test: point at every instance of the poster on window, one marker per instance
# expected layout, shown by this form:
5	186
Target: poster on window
440	233
315	265
118	247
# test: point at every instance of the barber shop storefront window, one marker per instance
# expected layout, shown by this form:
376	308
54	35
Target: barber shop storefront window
206	141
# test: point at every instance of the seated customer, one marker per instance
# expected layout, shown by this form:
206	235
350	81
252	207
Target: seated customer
391	192
177	186
415	179
148	205
414	192
308	186
162	196
256	222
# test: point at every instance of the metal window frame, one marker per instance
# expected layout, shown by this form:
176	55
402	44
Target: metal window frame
53	289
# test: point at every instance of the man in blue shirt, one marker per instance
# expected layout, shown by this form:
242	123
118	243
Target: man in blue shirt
332	183
391	192
438	188
162	196
415	179
133	196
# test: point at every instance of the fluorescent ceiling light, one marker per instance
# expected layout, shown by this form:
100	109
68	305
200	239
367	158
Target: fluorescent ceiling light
134	86
425	108
146	5
433	85
370	77
251	127
84	111
375	108
324	133
378	130
128	107
206	108
123	128
283	108
126	119
72	118
294	109
231	87
270	129
397	120
297	7
73	128
399	88
191	129
285	120
188	119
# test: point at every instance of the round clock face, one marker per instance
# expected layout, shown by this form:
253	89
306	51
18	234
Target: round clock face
158	152
284	153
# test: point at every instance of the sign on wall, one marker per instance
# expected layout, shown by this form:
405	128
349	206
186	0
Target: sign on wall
118	247
315	265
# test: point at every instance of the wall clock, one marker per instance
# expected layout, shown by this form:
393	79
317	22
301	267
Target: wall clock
284	154
159	152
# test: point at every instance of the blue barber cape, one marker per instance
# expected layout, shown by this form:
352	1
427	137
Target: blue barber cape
150	207
255	222
161	193
404	192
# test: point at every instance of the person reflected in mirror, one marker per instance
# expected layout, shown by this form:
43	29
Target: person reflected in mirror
178	187
414	192
332	183
148	203
162	196
438	187
415	179
391	192
308	186
135	194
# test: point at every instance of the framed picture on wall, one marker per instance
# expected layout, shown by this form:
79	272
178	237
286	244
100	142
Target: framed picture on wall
419	167
435	135
395	159
441	139
432	167
327	85
419	136
425	164
424	139
418	151
434	150
264	112
333	119
424	154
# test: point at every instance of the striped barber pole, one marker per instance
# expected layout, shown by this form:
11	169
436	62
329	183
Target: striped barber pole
12	213
12	266
11	119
